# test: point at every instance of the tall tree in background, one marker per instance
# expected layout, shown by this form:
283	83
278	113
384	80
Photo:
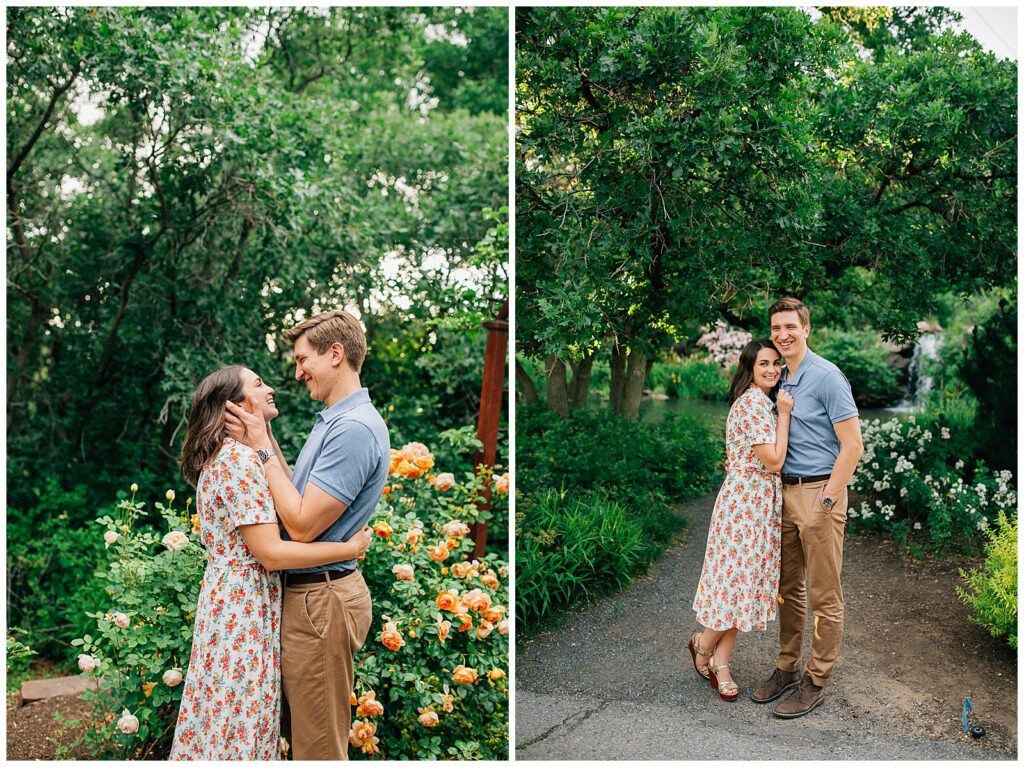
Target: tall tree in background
678	165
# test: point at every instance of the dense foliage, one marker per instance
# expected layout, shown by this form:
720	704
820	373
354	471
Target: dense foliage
682	165
183	183
140	642
992	590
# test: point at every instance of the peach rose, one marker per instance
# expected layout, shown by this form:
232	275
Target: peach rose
447	600
128	723
362	733
444	628
494	613
503	626
352	699
175	540
87	663
172	677
444	482
484	629
464	675
448	704
120	619
383	529
403	572
465	621
428	718
490	580
414	535
195	523
109	537
495	674
501	484
456	529
147	688
461	569
390	637
477	600
439	553
368	705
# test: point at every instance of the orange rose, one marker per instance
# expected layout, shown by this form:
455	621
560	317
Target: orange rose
465	620
448	704
443	630
477	600
361	732
352	699
461	569
369	705
386	490
408	469
494	613
383	529
451	544
390	637
501	484
495	674
447	600
414	535
456	529
484	629
439	553
424	463
490	580
427	717
464	675
195	523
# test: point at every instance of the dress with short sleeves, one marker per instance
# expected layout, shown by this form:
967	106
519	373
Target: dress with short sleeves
230	706
740	580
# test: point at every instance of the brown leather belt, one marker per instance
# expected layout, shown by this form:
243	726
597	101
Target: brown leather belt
792	479
299	579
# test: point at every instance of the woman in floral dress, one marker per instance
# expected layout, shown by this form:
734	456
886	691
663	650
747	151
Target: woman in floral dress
740	580
230	705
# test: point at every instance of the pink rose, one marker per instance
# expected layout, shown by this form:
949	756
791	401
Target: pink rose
87	663
444	482
110	537
503	626
127	723
403	572
120	619
172	677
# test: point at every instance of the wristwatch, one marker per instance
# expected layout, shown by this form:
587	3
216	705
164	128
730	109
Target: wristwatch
827	502
264	455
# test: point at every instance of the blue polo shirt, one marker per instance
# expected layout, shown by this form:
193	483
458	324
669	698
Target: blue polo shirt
821	397
347	455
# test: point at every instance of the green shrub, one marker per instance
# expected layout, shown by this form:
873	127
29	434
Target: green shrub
861	358
691	379
19	658
992	591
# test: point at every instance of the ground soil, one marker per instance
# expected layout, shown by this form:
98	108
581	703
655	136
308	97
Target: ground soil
33	734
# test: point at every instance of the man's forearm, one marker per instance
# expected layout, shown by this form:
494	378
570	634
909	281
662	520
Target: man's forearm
280	457
844	467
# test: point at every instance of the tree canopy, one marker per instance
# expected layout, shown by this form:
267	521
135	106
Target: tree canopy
679	165
183	183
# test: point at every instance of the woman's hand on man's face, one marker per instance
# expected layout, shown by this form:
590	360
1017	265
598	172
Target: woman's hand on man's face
245	427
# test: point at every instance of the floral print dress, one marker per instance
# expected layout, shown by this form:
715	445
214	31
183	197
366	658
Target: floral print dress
230	705
739	584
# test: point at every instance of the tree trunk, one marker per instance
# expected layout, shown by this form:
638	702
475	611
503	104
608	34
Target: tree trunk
558	390
524	385
579	387
617	385
636	374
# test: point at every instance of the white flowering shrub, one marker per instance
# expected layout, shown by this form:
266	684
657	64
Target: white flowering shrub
724	343
914	476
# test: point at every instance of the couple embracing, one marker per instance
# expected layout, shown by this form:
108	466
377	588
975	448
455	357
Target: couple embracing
283	607
776	537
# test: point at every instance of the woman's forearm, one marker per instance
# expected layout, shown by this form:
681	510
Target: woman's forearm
782	439
290	555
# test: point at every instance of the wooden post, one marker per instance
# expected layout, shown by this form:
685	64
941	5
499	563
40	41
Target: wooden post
491	396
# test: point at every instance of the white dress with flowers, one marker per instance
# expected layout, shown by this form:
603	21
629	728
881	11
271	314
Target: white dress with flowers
740	581
230	706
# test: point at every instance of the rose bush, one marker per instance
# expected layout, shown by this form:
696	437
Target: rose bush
431	679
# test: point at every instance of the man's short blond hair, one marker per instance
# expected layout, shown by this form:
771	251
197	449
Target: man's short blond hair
791	305
337	327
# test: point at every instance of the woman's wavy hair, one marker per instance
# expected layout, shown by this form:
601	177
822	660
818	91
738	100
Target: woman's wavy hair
206	430
744	375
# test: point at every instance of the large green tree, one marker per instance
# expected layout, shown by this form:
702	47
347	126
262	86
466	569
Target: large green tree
676	165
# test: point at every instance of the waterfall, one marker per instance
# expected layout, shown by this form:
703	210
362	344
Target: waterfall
920	382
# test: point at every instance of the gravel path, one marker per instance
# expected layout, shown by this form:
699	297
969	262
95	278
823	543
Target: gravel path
616	681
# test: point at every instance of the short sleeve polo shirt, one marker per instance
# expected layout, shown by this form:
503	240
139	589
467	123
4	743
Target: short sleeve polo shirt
347	455
821	397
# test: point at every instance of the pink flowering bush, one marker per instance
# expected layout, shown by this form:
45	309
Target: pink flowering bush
724	343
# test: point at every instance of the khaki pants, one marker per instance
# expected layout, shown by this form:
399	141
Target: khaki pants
322	627
812	559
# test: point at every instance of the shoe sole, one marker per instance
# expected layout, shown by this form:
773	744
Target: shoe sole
777	695
816	703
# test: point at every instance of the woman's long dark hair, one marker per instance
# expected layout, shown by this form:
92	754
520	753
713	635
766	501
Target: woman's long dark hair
206	430
745	367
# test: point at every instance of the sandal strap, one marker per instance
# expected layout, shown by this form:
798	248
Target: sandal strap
696	645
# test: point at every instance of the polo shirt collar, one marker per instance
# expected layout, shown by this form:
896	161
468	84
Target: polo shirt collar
809	360
353	400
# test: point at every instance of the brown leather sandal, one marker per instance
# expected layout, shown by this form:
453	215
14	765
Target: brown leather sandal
695	651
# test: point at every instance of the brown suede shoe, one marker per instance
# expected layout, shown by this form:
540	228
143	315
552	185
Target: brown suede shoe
803	700
779	682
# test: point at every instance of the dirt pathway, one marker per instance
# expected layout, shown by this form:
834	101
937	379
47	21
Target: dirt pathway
616	681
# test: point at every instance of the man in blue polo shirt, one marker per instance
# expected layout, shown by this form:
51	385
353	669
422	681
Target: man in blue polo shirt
338	479
824	447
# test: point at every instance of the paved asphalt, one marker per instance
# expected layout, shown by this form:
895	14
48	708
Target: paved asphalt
616	682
